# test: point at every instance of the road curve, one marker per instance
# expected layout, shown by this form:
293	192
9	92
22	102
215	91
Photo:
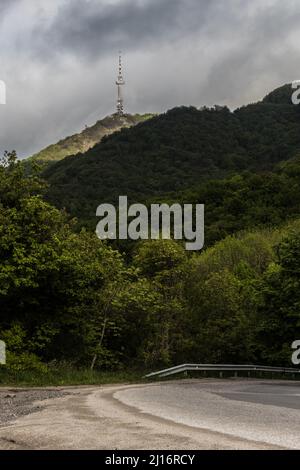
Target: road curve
186	414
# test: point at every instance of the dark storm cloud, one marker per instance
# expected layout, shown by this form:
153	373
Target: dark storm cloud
266	49
58	58
5	5
91	28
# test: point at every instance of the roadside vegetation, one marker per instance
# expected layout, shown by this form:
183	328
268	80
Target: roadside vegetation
64	374
74	310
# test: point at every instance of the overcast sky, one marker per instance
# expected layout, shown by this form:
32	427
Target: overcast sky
58	59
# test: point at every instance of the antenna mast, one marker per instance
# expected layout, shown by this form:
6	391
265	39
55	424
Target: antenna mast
120	82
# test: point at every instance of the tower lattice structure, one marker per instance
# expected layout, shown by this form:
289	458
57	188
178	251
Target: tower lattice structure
120	82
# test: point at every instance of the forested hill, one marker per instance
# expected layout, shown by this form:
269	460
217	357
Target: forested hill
86	139
281	95
70	302
177	150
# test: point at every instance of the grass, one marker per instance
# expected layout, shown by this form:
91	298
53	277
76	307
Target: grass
64	376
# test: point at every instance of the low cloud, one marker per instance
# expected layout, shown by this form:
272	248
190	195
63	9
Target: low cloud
59	59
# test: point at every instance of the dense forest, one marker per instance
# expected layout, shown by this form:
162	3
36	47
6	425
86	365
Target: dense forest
175	151
67	297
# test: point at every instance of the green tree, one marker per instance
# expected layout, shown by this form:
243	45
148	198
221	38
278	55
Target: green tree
163	263
53	281
278	322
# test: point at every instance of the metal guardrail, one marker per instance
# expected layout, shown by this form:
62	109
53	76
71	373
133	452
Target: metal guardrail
222	368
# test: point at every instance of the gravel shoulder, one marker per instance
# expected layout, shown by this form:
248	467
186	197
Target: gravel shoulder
15	403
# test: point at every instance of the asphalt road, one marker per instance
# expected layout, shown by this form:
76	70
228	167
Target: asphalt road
268	412
186	414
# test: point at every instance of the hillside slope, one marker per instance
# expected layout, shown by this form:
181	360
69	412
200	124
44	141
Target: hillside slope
83	141
174	151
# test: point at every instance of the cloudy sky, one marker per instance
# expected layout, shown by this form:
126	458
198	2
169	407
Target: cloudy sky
58	59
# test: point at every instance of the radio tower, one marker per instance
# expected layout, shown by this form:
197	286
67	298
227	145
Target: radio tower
120	82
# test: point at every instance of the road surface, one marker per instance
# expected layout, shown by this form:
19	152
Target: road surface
185	414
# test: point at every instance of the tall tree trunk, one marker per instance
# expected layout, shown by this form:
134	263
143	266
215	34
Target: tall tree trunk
105	311
100	342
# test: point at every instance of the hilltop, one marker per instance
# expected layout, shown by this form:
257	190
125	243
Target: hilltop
83	141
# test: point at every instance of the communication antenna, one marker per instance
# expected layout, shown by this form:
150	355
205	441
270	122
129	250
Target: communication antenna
120	82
